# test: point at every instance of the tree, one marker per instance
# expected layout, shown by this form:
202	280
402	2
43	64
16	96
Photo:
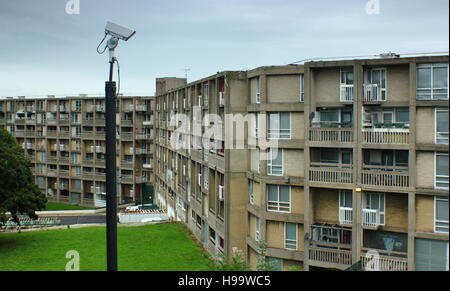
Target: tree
263	264
236	263
18	192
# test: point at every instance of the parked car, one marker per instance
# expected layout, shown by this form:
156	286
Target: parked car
141	207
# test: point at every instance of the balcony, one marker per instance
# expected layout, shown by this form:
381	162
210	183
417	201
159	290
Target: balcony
394	178
373	93
88	176
142	136
52	133
19	133
371	218
88	122
30	133
100	108
64	134
386	136
330	175
87	135
384	263
126	179
127	164
325	257
126	136
126	122
141	108
346	93
331	135
141	179
346	216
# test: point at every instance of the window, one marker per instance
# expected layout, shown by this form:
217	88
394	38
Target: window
378	77
375	201
431	255
290	238
280	125
257	228
205	94
275	162
258	90
442	125
257	125
206	178
212	236
346	78
441	178
279	198
432	81
346	199
250	192
302	88
276	264
402	115
441	214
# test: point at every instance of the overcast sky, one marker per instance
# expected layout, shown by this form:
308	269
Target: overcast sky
44	50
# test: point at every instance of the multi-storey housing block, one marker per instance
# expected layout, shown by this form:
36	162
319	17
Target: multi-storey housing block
64	138
359	173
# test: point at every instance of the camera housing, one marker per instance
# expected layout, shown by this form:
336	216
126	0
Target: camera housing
119	31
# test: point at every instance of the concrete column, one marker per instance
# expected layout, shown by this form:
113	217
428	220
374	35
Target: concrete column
308	211
411	230
357	231
412	166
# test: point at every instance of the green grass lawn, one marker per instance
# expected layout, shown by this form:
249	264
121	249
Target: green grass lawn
50	206
163	247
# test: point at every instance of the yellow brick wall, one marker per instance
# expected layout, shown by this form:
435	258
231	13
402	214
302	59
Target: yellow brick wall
424	213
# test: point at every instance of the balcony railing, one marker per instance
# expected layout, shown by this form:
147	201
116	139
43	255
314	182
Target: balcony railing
373	93
333	135
126	136
371	218
384	263
347	93
346	215
385	178
385	136
331	175
323	255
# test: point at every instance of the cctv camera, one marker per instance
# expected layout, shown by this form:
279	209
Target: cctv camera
118	31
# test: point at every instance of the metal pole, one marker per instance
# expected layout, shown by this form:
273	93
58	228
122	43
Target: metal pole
111	190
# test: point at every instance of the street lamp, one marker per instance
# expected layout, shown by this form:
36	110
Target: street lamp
117	33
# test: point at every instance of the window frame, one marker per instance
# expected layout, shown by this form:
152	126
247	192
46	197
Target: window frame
382	213
440	176
257	228
258	90
270	165
302	88
290	241
276	204
279	133
444	110
436	199
431	67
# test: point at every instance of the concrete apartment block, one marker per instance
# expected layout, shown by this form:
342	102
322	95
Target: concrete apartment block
364	152
64	138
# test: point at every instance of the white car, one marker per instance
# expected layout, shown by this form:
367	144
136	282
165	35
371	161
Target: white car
154	219
139	207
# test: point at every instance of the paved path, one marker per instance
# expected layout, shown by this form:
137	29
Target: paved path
85	219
